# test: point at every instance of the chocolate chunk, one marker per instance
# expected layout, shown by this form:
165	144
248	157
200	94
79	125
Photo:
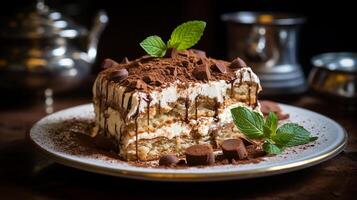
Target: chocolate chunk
184	53
199	155
199	53
270	106
118	75
201	72
237	63
255	151
171	53
282	116
154	79
125	61
234	149
168	160
138	84
219	67
108	63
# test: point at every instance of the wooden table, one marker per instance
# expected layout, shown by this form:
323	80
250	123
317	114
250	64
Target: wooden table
25	174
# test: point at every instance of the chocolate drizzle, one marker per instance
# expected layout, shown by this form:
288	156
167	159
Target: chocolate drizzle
249	89
196	107
135	116
148	101
105	106
232	87
146	75
129	104
256	95
216	107
104	103
240	77
121	134
159	107
99	92
115	129
224	100
187	104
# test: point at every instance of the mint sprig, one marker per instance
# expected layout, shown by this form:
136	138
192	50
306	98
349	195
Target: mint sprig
253	125
183	37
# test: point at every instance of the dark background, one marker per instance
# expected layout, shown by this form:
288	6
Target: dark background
24	174
330	25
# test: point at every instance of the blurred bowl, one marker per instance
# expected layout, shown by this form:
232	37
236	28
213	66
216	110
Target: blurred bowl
335	75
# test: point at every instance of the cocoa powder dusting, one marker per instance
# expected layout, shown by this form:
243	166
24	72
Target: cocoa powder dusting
74	137
186	66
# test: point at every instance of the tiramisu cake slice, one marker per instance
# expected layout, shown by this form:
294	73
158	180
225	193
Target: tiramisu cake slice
156	106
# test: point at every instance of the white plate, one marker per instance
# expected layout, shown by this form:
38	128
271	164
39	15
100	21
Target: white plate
331	141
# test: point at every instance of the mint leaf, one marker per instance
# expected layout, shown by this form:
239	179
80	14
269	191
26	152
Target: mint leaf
248	122
270	125
271	148
186	35
292	134
154	46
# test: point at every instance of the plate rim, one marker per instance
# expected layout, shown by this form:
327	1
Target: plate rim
192	177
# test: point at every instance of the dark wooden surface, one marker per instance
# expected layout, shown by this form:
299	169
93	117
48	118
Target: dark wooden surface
25	174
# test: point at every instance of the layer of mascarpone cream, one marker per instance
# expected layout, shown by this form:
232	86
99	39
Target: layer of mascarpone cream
170	94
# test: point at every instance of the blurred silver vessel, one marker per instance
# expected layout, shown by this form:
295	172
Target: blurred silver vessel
40	48
334	76
268	43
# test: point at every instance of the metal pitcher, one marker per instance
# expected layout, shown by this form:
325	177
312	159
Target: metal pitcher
268	43
40	48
